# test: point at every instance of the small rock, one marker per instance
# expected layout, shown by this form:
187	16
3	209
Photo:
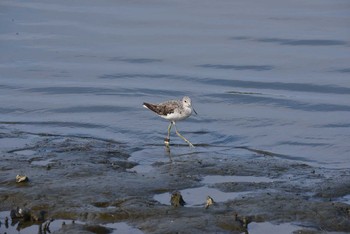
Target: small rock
7	222
176	199
210	201
242	221
21	178
46	226
20	213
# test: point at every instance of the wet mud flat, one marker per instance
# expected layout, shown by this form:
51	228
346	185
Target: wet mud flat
102	185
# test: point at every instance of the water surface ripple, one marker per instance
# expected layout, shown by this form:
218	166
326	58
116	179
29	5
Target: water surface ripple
274	79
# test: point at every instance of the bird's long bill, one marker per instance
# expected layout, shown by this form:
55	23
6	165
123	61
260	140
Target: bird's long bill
194	111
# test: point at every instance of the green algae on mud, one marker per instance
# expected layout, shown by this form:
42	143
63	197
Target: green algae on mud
92	180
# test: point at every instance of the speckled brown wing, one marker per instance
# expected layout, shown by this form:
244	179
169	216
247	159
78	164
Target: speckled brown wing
160	109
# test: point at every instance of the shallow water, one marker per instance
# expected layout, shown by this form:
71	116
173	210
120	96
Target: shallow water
55	225
271	76
235	179
266	77
257	228
197	196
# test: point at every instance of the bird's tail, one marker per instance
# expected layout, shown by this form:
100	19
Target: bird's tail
149	106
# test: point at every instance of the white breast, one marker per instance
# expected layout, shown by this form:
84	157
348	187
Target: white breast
179	114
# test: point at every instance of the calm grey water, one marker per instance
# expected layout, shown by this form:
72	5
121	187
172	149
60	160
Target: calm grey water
269	75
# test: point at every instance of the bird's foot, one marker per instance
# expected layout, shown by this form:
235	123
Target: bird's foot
190	144
167	141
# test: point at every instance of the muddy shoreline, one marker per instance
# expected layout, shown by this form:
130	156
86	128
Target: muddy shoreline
95	181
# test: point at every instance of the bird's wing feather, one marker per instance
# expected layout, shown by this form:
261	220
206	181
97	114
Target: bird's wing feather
162	108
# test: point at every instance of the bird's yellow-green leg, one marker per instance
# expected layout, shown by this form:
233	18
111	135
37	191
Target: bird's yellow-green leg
182	137
167	139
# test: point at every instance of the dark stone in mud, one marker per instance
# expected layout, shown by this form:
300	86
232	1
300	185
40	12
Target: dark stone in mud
176	199
20	214
6	222
26	215
234	224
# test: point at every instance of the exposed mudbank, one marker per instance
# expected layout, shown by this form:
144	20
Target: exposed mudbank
97	183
